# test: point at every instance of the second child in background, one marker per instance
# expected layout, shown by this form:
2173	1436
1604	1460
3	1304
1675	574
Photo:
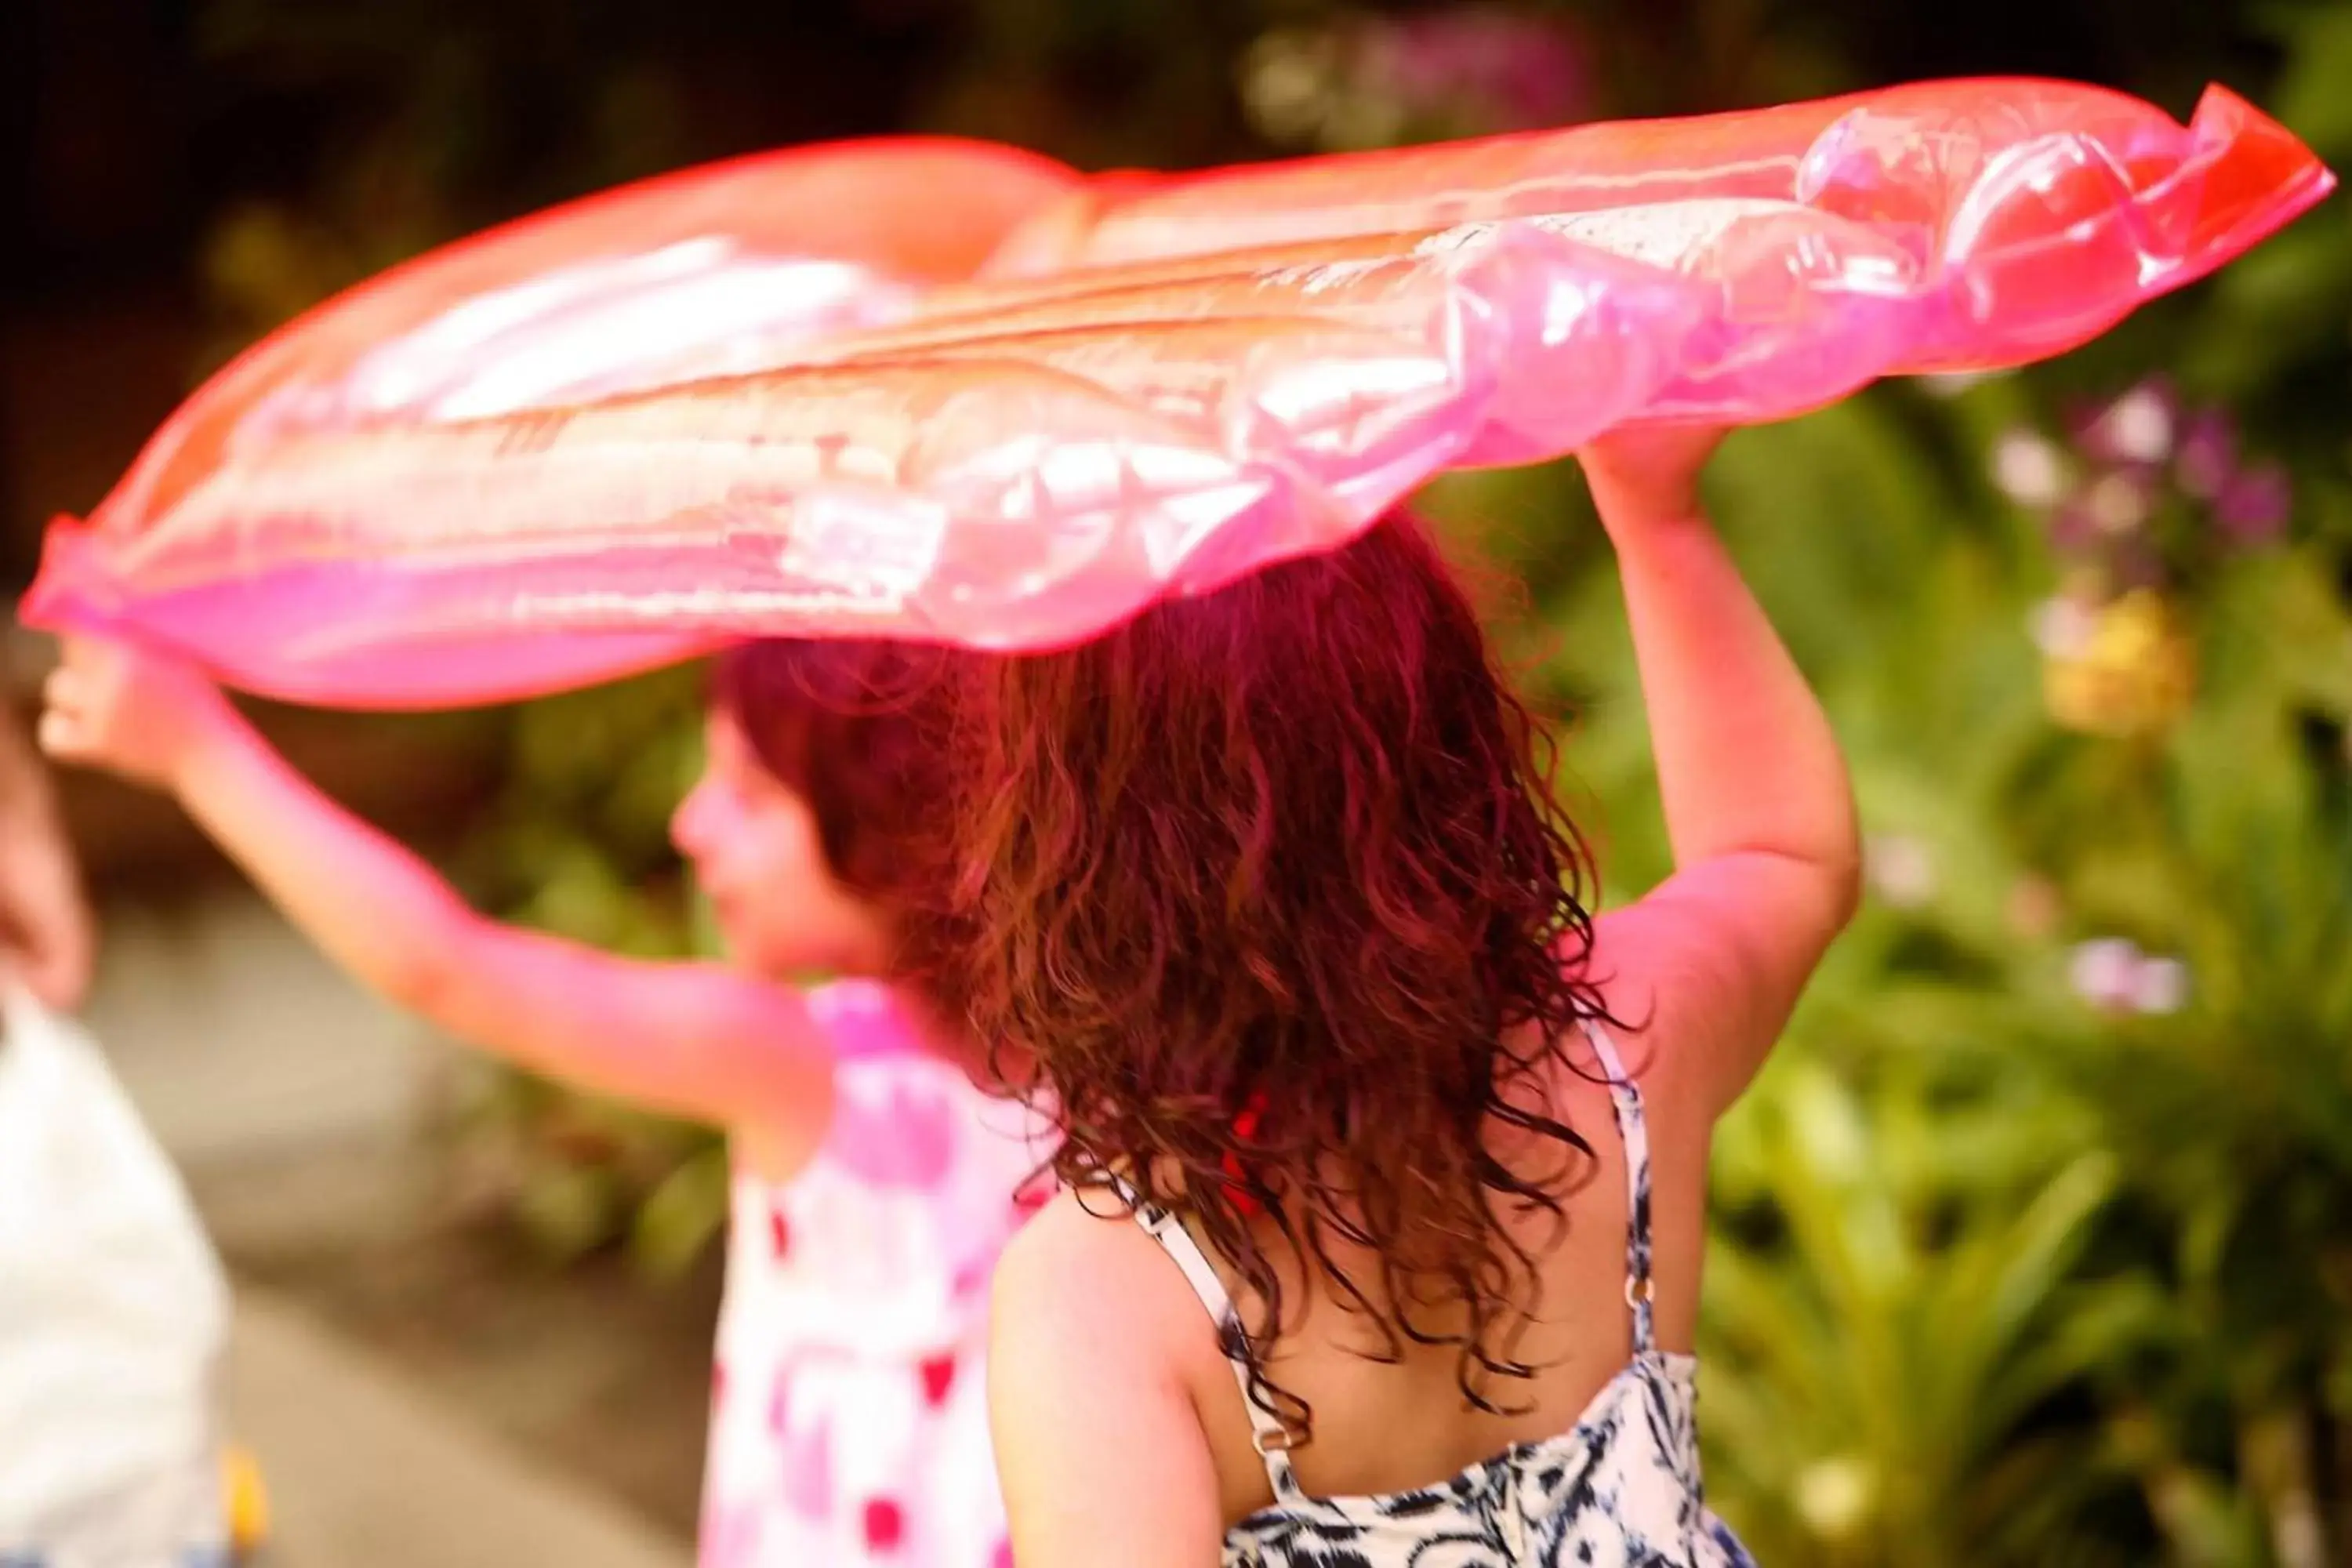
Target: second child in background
875	1183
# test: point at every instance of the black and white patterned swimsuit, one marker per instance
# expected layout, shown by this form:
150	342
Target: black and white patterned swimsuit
1620	1489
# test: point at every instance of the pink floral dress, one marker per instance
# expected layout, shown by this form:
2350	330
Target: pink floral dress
849	1421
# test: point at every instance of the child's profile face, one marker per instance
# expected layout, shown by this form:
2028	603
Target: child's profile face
753	844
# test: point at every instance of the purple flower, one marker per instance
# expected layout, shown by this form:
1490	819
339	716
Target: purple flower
2160	986
2120	502
2254	503
1506	70
2064	627
2136	430
2106	973
2029	469
2073	528
2113	976
2207	459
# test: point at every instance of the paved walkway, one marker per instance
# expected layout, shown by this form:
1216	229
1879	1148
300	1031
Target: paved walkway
240	1042
363	1472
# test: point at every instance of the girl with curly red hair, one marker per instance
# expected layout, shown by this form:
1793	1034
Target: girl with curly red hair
1272	884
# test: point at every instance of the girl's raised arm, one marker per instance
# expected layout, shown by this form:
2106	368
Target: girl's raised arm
691	1038
1759	806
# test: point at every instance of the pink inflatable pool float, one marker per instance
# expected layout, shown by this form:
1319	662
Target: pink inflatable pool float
946	391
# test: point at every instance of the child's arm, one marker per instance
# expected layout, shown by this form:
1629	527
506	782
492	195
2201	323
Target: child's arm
696	1039
44	927
1758	807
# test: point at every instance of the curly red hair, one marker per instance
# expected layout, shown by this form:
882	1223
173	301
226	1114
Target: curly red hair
1287	848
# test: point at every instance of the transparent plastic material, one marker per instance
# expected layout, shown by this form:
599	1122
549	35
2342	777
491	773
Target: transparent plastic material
2018	219
1014	489
721	269
939	391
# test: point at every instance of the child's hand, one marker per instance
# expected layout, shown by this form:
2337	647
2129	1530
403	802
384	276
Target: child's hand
130	712
45	938
1649	473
